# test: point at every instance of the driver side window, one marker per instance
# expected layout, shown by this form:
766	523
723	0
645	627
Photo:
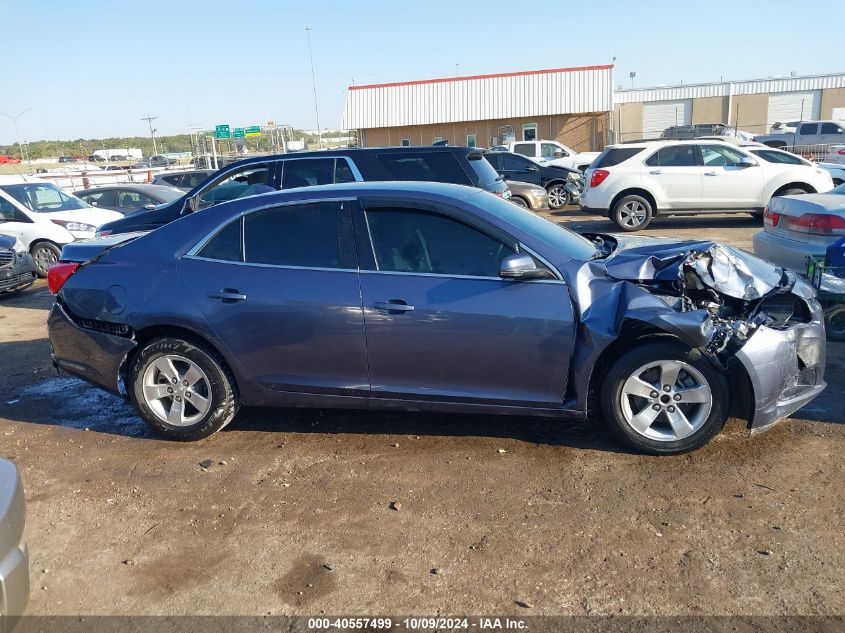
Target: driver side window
417	241
248	181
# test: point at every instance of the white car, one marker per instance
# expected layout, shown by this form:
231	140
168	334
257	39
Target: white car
835	154
45	218
634	182
553	153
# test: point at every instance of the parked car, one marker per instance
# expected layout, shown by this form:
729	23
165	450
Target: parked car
553	178
529	196
837	172
17	268
14	555
96	158
127	197
469	302
184	180
835	154
9	160
554	153
68	159
117	157
807	133
634	182
796	227
460	165
45	218
162	161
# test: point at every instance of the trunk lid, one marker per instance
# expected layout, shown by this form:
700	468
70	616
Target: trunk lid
86	250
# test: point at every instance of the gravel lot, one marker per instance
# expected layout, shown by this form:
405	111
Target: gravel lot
292	511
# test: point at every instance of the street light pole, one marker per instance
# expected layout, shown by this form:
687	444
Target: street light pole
14	119
314	84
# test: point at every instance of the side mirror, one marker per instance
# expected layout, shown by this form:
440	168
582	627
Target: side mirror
558	154
93	203
190	204
745	161
521	266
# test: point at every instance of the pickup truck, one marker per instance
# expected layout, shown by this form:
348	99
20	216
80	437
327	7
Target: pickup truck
553	153
806	133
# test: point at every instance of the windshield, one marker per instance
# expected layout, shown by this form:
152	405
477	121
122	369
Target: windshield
563	240
43	197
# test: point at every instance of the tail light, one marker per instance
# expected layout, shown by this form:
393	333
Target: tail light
598	177
770	218
841	152
58	275
818	224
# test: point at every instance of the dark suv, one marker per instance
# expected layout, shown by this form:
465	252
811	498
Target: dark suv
457	165
553	178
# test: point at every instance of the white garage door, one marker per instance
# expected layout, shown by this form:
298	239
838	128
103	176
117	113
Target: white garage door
794	106
658	115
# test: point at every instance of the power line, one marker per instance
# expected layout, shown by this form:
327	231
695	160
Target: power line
149	119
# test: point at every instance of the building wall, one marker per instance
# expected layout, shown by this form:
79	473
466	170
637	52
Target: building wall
751	113
832	98
710	110
582	132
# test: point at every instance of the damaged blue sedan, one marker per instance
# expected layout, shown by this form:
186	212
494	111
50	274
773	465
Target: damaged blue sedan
432	297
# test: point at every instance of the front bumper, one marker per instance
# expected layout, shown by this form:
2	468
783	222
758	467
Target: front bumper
94	356
786	368
18	275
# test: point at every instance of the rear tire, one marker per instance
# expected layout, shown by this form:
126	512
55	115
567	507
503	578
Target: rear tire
632	213
45	255
182	391
834	321
689	413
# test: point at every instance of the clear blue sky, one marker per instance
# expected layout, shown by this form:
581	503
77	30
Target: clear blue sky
93	68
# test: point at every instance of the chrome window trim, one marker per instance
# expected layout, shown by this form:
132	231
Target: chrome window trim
447	276
283	266
204	240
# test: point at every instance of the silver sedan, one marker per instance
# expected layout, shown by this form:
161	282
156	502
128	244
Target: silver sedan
797	227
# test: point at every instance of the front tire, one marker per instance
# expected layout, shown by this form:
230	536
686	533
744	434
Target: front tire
835	323
182	391
519	202
663	399
45	255
632	213
558	196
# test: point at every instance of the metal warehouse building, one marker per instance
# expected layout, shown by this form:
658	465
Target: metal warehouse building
570	105
752	105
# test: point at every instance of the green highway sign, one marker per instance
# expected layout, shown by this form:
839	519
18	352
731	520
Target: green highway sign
222	131
238	132
253	131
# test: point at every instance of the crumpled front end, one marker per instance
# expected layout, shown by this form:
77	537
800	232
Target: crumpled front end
726	303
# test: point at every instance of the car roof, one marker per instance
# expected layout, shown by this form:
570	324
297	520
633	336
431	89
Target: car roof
663	142
408	187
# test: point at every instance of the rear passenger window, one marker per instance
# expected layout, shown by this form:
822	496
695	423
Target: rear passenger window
615	156
296	235
674	156
226	245
428	166
307	172
342	172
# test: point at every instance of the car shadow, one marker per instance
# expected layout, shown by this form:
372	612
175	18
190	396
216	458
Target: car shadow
37	296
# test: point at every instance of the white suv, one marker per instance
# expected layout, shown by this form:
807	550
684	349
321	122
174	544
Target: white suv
553	153
634	182
45	218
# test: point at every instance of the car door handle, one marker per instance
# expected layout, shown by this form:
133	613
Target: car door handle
709	173
655	172
394	305
227	295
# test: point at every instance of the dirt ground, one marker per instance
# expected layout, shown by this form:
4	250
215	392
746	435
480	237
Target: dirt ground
293	514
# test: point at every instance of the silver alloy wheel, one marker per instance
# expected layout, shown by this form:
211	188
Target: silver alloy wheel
45	258
176	390
632	214
666	400
558	197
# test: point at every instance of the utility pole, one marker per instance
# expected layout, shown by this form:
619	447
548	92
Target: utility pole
314	84
149	119
14	119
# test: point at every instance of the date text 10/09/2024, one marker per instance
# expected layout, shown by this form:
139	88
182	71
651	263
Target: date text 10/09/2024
418	624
